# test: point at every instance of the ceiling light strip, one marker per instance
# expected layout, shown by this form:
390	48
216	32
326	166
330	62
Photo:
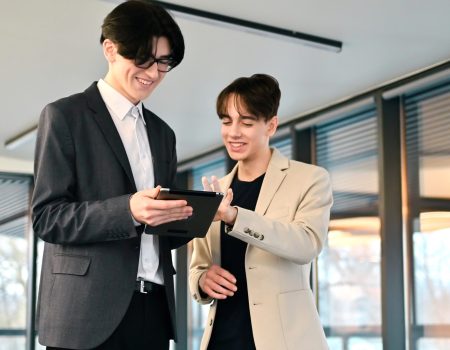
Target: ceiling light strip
256	28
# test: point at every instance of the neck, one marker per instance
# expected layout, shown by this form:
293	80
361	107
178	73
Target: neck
250	169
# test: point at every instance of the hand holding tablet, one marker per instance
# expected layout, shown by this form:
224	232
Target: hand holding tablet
204	204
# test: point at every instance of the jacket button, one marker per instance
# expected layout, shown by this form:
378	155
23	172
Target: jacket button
211	322
256	235
261	238
247	230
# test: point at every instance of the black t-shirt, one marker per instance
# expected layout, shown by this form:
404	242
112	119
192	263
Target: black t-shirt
232	326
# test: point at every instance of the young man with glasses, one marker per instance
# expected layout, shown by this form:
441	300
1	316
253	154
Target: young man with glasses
101	157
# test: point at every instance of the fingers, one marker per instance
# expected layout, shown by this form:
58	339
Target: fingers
158	217
206	185
228	197
147	210
218	283
151	193
215	184
212	185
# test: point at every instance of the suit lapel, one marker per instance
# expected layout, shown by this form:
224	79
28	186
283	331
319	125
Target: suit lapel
275	175
106	124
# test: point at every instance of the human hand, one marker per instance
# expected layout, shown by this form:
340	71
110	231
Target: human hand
153	212
225	212
218	283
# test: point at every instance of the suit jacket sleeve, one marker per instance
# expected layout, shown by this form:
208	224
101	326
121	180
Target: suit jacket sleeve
58	215
175	242
299	239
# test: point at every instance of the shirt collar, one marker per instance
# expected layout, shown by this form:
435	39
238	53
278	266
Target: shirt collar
116	102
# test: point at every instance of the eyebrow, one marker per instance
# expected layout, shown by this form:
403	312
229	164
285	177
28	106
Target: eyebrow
242	117
248	117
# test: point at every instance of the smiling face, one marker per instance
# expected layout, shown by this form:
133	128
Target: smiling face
135	83
245	136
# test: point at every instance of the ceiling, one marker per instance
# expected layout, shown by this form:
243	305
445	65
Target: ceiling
50	49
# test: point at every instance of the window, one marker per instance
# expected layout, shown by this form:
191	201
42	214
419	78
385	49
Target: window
284	145
427	115
14	232
215	167
349	291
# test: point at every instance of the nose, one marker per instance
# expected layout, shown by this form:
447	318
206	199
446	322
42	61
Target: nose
152	71
235	130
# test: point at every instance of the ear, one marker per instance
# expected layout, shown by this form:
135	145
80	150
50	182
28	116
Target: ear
109	50
272	126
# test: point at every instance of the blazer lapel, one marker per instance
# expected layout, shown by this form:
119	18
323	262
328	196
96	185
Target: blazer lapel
275	175
106	124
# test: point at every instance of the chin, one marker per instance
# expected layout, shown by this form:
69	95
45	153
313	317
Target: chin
237	156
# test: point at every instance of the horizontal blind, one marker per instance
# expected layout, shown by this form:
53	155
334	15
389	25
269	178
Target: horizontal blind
14	205
427	115
284	145
348	149
215	167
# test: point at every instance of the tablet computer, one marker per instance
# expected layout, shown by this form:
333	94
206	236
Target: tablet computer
204	205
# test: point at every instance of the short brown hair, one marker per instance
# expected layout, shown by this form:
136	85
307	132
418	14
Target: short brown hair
259	94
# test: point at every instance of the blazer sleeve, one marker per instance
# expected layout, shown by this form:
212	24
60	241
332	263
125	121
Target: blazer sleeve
57	215
299	240
201	261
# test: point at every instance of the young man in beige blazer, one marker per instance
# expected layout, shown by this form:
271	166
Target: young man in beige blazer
254	264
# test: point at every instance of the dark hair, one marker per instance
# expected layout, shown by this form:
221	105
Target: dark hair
133	25
259	95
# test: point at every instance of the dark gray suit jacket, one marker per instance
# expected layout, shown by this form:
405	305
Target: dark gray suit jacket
80	208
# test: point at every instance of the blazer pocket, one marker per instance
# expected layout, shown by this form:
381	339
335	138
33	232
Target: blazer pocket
77	265
300	321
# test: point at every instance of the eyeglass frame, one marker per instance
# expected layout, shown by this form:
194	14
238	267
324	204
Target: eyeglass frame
171	63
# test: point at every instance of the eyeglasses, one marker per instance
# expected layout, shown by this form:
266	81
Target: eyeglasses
164	64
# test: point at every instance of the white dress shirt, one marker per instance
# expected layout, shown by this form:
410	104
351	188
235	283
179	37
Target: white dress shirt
131	126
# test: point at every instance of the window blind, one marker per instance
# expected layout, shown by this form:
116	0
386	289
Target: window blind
347	148
427	115
284	145
215	167
14	204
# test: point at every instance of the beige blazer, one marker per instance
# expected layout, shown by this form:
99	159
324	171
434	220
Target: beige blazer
285	233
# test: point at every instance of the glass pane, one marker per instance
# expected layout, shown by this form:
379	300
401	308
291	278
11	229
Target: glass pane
434	173
432	278
350	283
433	344
358	343
12	343
13	276
335	343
